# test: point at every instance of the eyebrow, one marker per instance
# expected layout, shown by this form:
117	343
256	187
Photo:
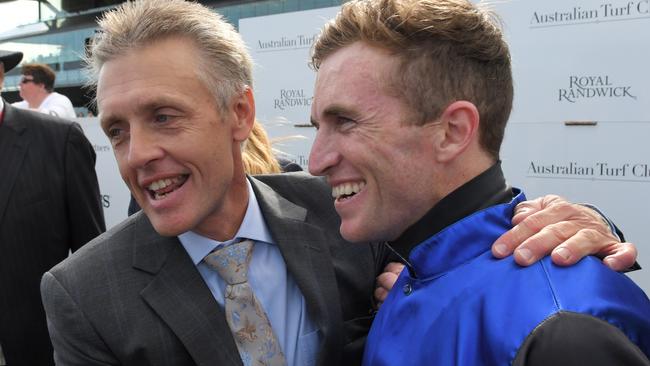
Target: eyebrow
106	120
336	110
145	107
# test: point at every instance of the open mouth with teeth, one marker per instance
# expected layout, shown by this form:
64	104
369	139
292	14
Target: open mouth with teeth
345	191
159	189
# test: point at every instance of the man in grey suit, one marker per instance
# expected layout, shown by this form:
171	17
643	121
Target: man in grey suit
141	294
175	99
49	205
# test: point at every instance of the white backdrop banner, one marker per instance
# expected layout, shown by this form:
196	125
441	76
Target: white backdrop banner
284	82
580	120
115	195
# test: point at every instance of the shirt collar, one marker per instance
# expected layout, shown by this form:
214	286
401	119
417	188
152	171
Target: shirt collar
253	227
464	240
487	189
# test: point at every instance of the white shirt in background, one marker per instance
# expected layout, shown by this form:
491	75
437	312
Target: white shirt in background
54	104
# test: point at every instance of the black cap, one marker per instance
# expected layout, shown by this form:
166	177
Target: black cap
10	59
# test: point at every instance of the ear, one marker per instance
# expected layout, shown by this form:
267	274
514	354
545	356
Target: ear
460	121
244	110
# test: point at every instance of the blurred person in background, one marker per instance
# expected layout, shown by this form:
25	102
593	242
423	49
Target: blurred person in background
37	90
49	205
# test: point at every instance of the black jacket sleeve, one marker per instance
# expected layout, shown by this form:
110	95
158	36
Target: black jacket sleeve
569	338
84	208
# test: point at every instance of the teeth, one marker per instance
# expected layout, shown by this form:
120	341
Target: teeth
347	189
158	196
162	183
159	188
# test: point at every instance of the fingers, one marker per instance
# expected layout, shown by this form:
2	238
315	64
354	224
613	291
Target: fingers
386	280
527	228
542	243
380	295
527	208
584	242
575	231
394	267
623	257
553	223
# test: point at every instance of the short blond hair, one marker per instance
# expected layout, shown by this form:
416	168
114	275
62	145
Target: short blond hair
449	50
225	66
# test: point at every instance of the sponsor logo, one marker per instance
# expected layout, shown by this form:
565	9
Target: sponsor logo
284	43
593	87
593	171
292	98
606	11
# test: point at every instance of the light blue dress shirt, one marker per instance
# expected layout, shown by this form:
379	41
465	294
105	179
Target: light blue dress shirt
272	284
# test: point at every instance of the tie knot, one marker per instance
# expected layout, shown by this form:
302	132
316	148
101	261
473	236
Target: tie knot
231	262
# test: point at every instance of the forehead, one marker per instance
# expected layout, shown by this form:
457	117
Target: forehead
357	75
163	69
359	65
173	57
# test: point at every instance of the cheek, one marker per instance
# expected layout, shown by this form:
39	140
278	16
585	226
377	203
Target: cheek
123	166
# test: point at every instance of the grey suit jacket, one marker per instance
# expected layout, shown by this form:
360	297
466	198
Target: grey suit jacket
49	205
132	297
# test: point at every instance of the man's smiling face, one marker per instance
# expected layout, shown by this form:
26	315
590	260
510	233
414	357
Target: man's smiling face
175	148
376	159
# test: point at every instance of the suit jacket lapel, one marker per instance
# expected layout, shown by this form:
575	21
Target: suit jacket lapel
13	146
180	297
307	256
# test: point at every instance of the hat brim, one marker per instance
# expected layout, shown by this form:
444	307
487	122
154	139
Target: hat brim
10	59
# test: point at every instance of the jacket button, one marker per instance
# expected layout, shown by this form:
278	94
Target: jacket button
407	289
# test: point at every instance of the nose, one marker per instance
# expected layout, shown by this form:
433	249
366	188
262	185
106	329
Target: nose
143	148
324	155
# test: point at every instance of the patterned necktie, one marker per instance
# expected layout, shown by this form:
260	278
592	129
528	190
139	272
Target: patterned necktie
256	342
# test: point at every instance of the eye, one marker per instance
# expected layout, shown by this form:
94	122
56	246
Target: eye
162	118
345	123
113	132
116	135
314	123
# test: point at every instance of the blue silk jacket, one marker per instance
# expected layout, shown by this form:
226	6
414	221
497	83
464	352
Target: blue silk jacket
461	306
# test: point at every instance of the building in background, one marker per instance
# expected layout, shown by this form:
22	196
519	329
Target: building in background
55	32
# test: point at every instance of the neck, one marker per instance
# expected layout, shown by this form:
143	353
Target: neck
461	170
36	101
485	190
223	225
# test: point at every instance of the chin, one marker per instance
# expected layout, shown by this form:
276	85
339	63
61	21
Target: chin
360	234
354	235
166	228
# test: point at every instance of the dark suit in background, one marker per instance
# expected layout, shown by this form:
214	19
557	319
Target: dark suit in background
133	297
49	205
